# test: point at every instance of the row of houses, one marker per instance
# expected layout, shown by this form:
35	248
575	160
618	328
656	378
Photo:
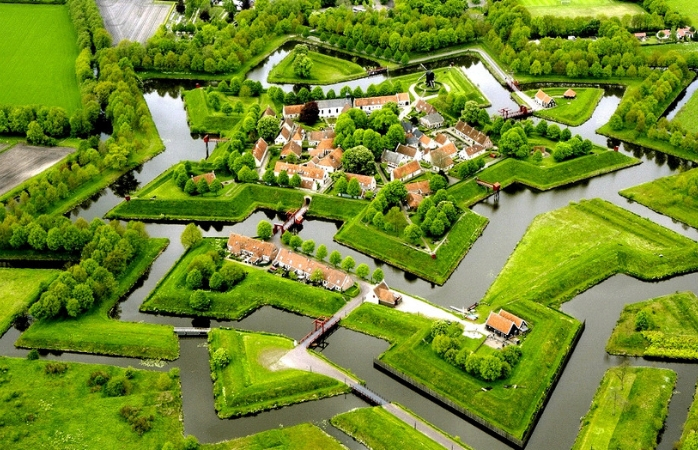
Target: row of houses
259	252
332	108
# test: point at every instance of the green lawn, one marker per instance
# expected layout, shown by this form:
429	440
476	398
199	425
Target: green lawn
38	49
380	430
689	438
19	288
686	8
259	288
682	48
581	8
305	436
568	250
628	410
255	381
512	410
44	410
203	118
95	332
673	334
453	77
572	112
675	196
688	114
326	70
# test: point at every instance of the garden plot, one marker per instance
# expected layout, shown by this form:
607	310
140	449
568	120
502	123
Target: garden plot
135	20
22	162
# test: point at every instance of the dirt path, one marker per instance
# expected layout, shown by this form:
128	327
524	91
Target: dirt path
22	162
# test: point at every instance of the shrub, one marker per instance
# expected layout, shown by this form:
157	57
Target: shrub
129	373
643	320
164	382
220	358
55	368
98	378
117	387
174	373
33	354
199	301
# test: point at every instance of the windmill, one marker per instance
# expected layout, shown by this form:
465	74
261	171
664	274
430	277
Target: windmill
430	78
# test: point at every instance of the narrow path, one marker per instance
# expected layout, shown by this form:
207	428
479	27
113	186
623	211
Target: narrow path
380	172
423	427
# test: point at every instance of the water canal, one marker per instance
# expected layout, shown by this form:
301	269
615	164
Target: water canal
509	218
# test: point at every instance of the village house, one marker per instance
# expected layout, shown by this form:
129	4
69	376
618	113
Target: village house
333	108
268	112
291	147
392	159
413	200
323	148
505	324
260	152
474	138
209	177
544	99
292	111
299	136
370	104
427	143
385	296
407	152
423	107
251	250
642	37
407	172
312	178
331	162
366	182
304	267
288	126
419	187
440	160
442	139
433	120
315	137
569	94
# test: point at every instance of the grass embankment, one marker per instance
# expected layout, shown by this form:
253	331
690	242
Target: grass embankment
95	332
45	410
690	427
674	196
512	410
377	429
572	112
454	78
672	332
305	436
255	381
19	288
326	70
204	119
548	175
259	288
581	8
628	410
396	252
38	49
566	251
688	114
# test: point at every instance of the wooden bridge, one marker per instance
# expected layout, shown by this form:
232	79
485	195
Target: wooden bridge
493	187
367	394
322	326
523	111
191	331
293	218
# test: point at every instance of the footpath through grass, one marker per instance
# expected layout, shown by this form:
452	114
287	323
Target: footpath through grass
671	331
326	70
628	410
377	429
675	196
259	288
61	410
508	409
19	288
96	332
305	436
254	380
568	250
38	49
572	112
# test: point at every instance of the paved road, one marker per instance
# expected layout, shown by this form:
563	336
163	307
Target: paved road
423	427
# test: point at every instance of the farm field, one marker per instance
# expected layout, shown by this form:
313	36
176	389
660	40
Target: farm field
580	8
326	70
38	51
573	112
305	436
669	328
18	289
22	162
135	20
686	7
628	410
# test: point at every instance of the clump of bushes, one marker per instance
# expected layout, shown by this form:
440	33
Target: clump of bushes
117	387
55	368
98	379
220	358
644	320
199	301
210	271
139	423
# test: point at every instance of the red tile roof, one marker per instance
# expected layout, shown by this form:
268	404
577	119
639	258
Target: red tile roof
499	323
334	159
385	295
260	148
243	245
291	147
403	171
209	177
292	110
333	277
518	321
419	187
303	171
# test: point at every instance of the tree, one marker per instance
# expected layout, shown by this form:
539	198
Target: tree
302	66
295	181
514	143
321	253
470	112
269	177
437	182
412	233
190	187
358	160
268	127
202	186
341	185
348	263
377	276
394	192
264	230
283	178
295	242
191	236
232	274
353	189
309	113
643	320
199	301
362	270
335	258
216	186
194	279
317	276
308	246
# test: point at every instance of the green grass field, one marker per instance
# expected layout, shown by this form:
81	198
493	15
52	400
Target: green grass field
512	410
685	7
95	332
689	437
581	8
572	112
305	436
254	380
44	410
259	288
568	250
688	114
628	410
19	288
675	316
38	51
326	70
202	118
675	196
380	430
453	77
